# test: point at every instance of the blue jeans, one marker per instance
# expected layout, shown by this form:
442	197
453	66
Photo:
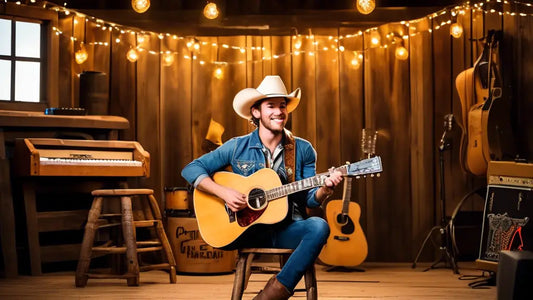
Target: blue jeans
306	237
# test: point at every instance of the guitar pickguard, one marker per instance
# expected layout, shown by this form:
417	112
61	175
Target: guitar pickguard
247	216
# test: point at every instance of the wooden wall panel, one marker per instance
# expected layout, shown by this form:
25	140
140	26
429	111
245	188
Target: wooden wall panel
519	30
281	62
122	77
148	127
66	61
225	89
202	76
443	79
387	110
327	109
351	95
422	146
303	76
175	112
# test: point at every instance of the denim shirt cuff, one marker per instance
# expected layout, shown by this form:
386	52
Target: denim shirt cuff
199	179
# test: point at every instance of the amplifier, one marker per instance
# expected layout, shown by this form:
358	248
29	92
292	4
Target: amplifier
507	223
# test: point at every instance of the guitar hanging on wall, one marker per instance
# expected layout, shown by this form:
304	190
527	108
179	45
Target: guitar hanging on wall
488	132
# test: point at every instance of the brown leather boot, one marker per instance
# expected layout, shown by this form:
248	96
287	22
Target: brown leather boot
274	290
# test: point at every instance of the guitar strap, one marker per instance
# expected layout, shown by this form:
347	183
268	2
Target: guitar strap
290	156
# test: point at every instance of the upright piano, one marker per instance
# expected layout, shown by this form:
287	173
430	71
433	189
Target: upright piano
95	137
63	157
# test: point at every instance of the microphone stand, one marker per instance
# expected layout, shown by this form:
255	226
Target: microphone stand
447	256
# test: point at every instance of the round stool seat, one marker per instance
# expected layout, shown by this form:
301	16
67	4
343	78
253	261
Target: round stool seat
122	192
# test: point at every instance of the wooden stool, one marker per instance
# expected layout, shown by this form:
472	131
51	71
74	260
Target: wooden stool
244	269
130	246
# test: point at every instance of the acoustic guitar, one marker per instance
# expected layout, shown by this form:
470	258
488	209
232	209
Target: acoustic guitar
490	136
266	198
346	245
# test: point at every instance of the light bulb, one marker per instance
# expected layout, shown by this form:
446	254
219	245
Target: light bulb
167	59
81	55
298	44
375	39
401	53
356	63
365	6
218	73
456	30
211	11
132	55
140	6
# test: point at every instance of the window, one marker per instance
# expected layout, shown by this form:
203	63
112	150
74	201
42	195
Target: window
21	60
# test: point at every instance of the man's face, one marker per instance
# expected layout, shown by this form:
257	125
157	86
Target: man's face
272	114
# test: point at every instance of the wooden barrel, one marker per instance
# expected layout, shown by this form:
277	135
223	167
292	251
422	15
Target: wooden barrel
177	198
192	253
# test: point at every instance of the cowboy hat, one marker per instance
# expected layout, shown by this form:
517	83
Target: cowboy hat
271	87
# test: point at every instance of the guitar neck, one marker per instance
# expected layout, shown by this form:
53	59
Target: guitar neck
347	193
300	185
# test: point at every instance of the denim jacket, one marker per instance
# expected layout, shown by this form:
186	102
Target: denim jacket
245	157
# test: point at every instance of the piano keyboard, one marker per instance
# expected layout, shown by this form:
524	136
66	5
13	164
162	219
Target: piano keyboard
89	162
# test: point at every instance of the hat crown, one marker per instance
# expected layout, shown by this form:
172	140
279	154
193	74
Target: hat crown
272	85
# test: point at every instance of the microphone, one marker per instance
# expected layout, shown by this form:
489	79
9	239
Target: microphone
448	122
445	143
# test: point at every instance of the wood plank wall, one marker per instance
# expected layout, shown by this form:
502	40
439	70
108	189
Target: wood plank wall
170	107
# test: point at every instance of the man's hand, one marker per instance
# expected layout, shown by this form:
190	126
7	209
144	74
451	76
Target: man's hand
333	179
235	200
327	189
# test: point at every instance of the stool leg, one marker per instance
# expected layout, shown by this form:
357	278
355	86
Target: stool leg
248	269
310	283
128	231
87	243
238	282
167	249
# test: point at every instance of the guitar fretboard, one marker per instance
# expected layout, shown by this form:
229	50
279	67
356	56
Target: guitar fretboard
301	185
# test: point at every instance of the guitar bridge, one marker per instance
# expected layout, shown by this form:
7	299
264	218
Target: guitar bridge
342	238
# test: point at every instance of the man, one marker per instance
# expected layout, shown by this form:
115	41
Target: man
293	158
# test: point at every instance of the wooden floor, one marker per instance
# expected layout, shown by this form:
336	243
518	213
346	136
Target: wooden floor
378	281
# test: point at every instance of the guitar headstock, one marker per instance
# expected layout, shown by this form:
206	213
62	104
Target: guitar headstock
369	166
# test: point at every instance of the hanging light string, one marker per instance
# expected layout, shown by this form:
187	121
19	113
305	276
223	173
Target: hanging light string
441	18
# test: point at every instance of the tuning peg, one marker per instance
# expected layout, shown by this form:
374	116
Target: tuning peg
347	162
378	175
371	175
357	177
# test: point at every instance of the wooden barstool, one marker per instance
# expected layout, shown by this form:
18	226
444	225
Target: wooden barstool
127	242
245	268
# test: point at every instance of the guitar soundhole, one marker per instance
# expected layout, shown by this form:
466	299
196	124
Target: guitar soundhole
347	225
257	199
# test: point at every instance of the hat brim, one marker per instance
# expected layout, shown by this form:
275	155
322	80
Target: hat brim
246	98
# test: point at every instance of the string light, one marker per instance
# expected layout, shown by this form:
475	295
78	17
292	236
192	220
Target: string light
132	55
456	30
483	7
140	6
365	6
167	59
218	73
375	38
401	53
211	11
81	55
